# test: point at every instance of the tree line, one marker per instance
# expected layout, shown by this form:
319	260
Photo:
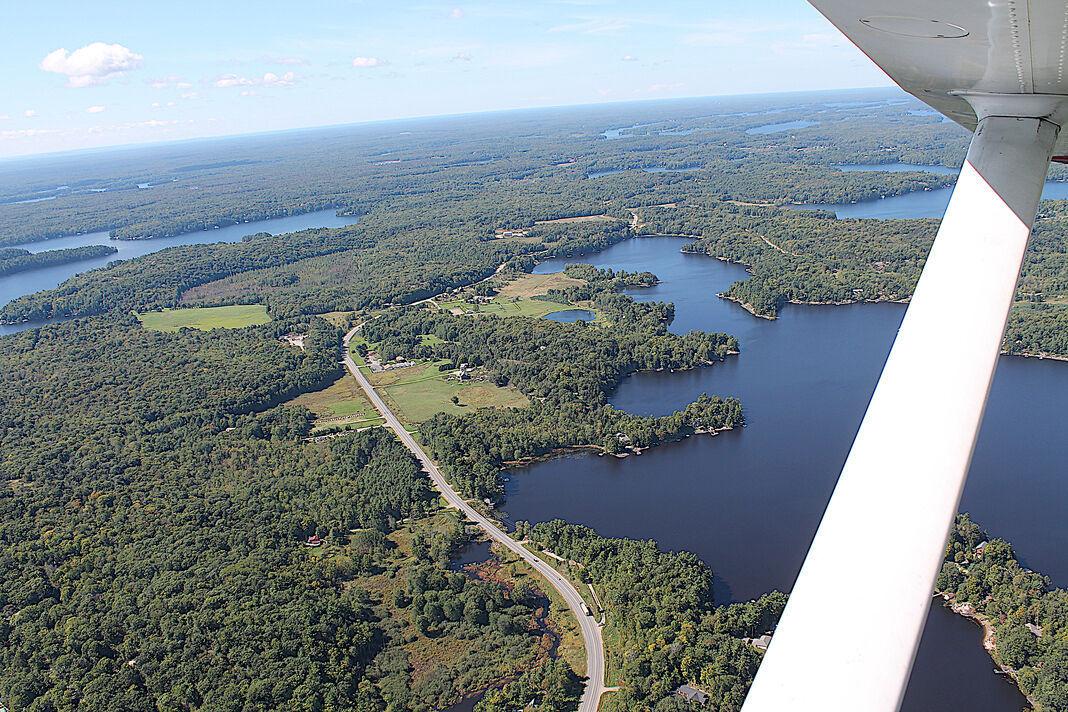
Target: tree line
14	260
1029	618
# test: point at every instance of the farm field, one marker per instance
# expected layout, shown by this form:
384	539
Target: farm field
205	318
341	405
419	392
533	308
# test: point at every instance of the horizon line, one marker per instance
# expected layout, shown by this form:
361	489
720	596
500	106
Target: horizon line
74	152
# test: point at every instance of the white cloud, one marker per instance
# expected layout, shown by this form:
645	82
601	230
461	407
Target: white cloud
232	80
461	57
189	95
171	80
270	79
29	113
292	61
367	62
92	64
629	58
26	133
95	109
4	117
457	13
273	80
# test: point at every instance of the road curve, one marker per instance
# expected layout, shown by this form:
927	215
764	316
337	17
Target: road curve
591	632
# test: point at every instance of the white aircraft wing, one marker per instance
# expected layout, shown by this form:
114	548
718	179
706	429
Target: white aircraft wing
938	50
849	635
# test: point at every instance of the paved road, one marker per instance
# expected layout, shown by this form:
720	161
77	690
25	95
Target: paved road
591	632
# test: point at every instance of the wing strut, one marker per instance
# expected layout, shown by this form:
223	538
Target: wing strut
849	634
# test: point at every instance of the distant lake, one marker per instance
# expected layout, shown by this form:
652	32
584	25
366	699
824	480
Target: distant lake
780	127
748	501
897	168
614	134
30	281
917	204
568	316
600	172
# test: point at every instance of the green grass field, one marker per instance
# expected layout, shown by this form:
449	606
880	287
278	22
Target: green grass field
533	308
419	392
532	285
205	318
342	404
353	343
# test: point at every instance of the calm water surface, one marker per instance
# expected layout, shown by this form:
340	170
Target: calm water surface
748	502
568	316
31	281
919	204
475	552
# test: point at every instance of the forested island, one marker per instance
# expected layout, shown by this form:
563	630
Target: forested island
178	535
1024	620
14	260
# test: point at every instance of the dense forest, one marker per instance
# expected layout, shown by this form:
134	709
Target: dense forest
383	260
983	578
663	627
199	185
14	260
157	493
432	201
156	502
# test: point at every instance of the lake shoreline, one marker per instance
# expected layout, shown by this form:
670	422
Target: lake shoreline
805	382
1041	355
220	225
965	610
511	465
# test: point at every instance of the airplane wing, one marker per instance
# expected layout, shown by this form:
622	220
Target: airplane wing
848	637
938	51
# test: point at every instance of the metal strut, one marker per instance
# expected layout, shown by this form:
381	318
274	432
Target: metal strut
904	476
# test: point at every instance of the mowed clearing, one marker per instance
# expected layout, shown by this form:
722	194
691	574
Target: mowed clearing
532	285
515	298
205	318
341	405
533	308
577	219
419	392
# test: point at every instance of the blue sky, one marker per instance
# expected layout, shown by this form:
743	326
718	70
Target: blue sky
82	74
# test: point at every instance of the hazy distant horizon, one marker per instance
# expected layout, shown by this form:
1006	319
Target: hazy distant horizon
117	74
47	155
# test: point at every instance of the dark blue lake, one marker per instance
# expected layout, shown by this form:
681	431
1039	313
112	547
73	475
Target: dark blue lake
918	204
748	502
568	316
21	283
